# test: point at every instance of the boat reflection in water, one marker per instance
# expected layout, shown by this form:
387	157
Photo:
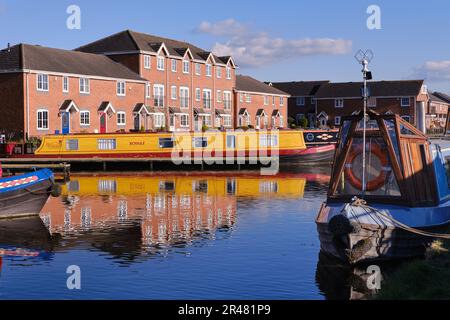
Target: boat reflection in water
129	216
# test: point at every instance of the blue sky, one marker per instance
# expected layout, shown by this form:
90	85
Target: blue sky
272	40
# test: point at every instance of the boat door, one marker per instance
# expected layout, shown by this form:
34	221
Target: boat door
172	122
65	122
103	123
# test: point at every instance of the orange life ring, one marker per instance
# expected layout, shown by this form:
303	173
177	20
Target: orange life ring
376	183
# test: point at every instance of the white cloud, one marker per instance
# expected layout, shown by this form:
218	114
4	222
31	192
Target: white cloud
229	27
254	49
435	70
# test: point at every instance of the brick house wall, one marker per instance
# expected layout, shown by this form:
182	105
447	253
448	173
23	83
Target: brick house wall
100	90
436	114
12	99
259	101
383	105
297	111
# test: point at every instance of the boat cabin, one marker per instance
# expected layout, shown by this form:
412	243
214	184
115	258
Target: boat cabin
402	167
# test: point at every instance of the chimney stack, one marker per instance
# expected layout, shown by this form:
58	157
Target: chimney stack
9	47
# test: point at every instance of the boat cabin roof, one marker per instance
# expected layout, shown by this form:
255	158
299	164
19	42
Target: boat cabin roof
398	160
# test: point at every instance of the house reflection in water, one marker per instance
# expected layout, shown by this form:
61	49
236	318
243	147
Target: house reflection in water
163	210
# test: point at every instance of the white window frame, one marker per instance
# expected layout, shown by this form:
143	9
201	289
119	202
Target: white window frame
147	62
209	70
338	103
281	101
227	120
218	72
121	88
281	118
119	118
228	70
405	105
266	100
198	69
227	102
160	61
85	86
300	101
173	92
248	98
42	82
185	117
198	94
42	111
66	86
174	65
205	99
83	123
158	120
184	97
337	120
148	90
186	67
157	90
313	101
219	96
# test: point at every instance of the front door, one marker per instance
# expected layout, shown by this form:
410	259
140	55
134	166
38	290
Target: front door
137	122
172	122
65	122
103	123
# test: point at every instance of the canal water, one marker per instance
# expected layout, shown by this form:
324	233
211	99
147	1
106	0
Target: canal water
175	235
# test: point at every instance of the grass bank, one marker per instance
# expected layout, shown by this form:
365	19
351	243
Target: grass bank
427	279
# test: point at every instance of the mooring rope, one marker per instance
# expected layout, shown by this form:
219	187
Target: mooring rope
363	204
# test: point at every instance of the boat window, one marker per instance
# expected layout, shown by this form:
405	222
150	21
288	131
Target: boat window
73	186
268	140
404	130
344	133
107	186
231	142
200	186
201	142
167	186
231	186
72	144
390	126
380	178
268	187
106	144
166	143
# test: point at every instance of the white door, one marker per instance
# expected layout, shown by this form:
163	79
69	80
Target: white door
172	122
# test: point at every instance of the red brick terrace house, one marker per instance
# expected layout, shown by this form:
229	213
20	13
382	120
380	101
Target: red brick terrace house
188	87
302	103
45	90
438	106
259	105
406	98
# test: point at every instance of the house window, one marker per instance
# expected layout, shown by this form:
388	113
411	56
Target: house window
198	94
281	101
173	93
158	120
372	102
313	101
208	70
241	97
217	122
219	96
65	84
219	72
281	121
227	121
148	90
85	118
147	62
121	85
273	100
185	66
337	121
300	101
174	65
160	63
207	121
266	100
158	95
339	103
207	99
198	69
121	118
406	118
84	85
405	102
42	119
227	100
184	120
42	82
228	73
184	97
248	98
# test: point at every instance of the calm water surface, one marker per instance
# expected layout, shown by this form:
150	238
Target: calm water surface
234	235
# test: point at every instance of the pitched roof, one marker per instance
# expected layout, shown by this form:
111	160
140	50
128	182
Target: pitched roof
32	57
397	88
131	41
246	83
299	88
441	96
